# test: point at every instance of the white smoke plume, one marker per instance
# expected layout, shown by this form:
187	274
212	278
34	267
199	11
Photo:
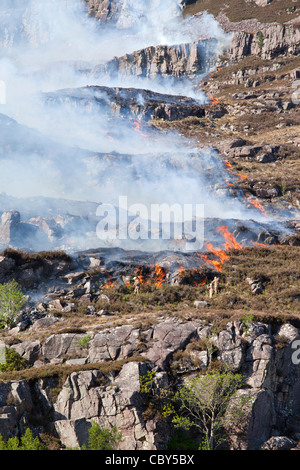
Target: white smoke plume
53	45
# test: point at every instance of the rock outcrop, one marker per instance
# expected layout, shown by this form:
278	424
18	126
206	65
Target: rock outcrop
116	11
179	61
21	234
119	404
269	42
264	357
132	103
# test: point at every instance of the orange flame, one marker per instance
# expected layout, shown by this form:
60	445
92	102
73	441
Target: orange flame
137	126
221	254
214	100
141	277
256	204
109	284
230	240
215	72
257	244
199	284
159	277
242	177
216	264
230	243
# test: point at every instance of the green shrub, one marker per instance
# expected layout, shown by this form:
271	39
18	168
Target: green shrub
103	439
13	361
26	442
260	40
12	300
84	341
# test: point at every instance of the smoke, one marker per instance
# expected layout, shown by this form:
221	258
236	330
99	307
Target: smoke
64	144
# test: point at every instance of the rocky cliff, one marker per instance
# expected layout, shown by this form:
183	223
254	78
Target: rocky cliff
169	349
183	60
268	42
88	342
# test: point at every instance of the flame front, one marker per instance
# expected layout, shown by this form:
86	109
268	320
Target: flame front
137	127
230	243
159	276
141	278
214	101
241	176
258	244
256	204
109	284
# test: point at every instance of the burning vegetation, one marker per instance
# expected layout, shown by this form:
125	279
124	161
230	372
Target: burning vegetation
221	279
208	266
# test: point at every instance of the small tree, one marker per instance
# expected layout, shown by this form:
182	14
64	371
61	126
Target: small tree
26	442
260	40
203	403
12	300
103	439
13	361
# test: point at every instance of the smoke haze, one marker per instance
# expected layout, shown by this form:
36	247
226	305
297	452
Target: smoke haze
72	148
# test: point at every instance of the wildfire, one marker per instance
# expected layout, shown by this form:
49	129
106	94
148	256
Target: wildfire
242	177
109	284
216	264
200	284
256	204
230	243
221	254
137	127
216	71
159	276
258	244
141	278
214	101
198	274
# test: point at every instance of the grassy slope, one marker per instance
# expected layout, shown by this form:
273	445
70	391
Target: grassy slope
279	11
262	127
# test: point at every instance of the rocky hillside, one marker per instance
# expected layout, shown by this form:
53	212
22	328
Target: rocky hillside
89	337
214	118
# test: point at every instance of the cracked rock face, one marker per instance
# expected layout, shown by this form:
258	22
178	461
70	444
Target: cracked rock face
276	40
184	60
117	11
263	357
118	405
